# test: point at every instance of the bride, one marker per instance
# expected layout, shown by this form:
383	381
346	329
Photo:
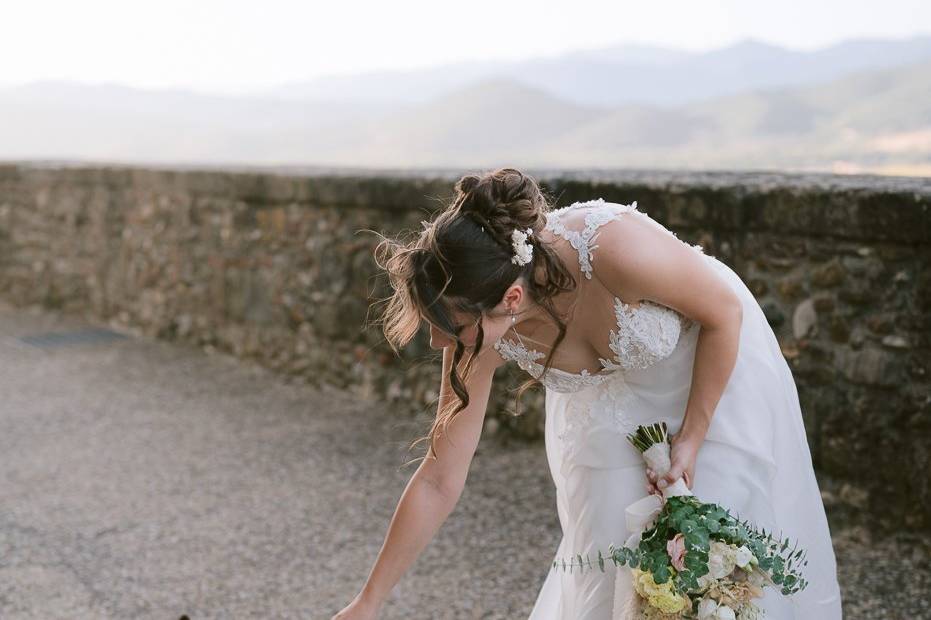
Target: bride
623	324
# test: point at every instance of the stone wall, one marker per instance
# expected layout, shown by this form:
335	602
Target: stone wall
279	268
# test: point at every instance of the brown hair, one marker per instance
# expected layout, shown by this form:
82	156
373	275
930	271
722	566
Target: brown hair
462	261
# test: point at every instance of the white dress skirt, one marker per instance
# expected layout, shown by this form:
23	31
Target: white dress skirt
755	459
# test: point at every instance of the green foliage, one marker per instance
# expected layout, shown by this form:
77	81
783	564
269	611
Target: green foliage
701	523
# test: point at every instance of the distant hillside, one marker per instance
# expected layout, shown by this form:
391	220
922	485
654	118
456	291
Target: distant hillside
621	74
878	120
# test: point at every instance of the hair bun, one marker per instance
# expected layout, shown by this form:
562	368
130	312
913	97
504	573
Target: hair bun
473	198
504	199
467	183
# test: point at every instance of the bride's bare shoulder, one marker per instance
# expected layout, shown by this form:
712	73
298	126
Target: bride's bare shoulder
647	260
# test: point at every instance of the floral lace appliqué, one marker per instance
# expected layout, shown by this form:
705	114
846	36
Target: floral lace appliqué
555	379
646	334
582	240
649	333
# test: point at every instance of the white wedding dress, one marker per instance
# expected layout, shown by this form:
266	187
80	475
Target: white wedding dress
755	459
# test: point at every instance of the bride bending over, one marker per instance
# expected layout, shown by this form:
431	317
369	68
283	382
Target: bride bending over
623	324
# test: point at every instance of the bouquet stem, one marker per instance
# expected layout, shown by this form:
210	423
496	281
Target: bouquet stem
653	442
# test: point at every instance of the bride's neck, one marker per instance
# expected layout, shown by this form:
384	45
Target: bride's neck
534	314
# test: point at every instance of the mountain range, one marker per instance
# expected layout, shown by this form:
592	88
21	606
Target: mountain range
859	106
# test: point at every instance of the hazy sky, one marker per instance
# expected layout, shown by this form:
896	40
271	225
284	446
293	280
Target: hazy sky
235	46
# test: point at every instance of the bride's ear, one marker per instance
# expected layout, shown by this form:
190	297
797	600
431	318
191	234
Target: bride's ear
512	296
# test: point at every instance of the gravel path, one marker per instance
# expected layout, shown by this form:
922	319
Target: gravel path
146	479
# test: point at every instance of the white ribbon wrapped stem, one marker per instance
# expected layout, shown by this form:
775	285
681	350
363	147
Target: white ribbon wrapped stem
657	457
640	515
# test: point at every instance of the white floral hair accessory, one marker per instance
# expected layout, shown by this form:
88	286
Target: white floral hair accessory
523	251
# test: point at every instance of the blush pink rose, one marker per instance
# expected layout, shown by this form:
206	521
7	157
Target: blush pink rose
675	547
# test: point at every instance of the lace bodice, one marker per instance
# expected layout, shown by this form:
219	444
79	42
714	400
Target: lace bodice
645	334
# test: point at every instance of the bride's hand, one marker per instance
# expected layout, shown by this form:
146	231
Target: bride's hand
682	457
358	609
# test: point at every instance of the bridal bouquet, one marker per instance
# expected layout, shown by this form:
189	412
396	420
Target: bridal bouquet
691	559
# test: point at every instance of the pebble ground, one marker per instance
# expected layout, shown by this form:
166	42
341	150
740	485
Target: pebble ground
143	479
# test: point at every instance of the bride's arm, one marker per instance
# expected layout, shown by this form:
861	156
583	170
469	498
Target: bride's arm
715	358
637	259
435	487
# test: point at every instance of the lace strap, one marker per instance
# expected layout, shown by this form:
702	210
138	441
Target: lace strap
583	240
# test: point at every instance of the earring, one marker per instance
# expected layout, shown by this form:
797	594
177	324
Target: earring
513	318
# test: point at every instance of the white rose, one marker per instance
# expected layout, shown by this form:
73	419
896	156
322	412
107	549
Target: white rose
742	557
706	608
719	547
720	560
730	552
724	612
